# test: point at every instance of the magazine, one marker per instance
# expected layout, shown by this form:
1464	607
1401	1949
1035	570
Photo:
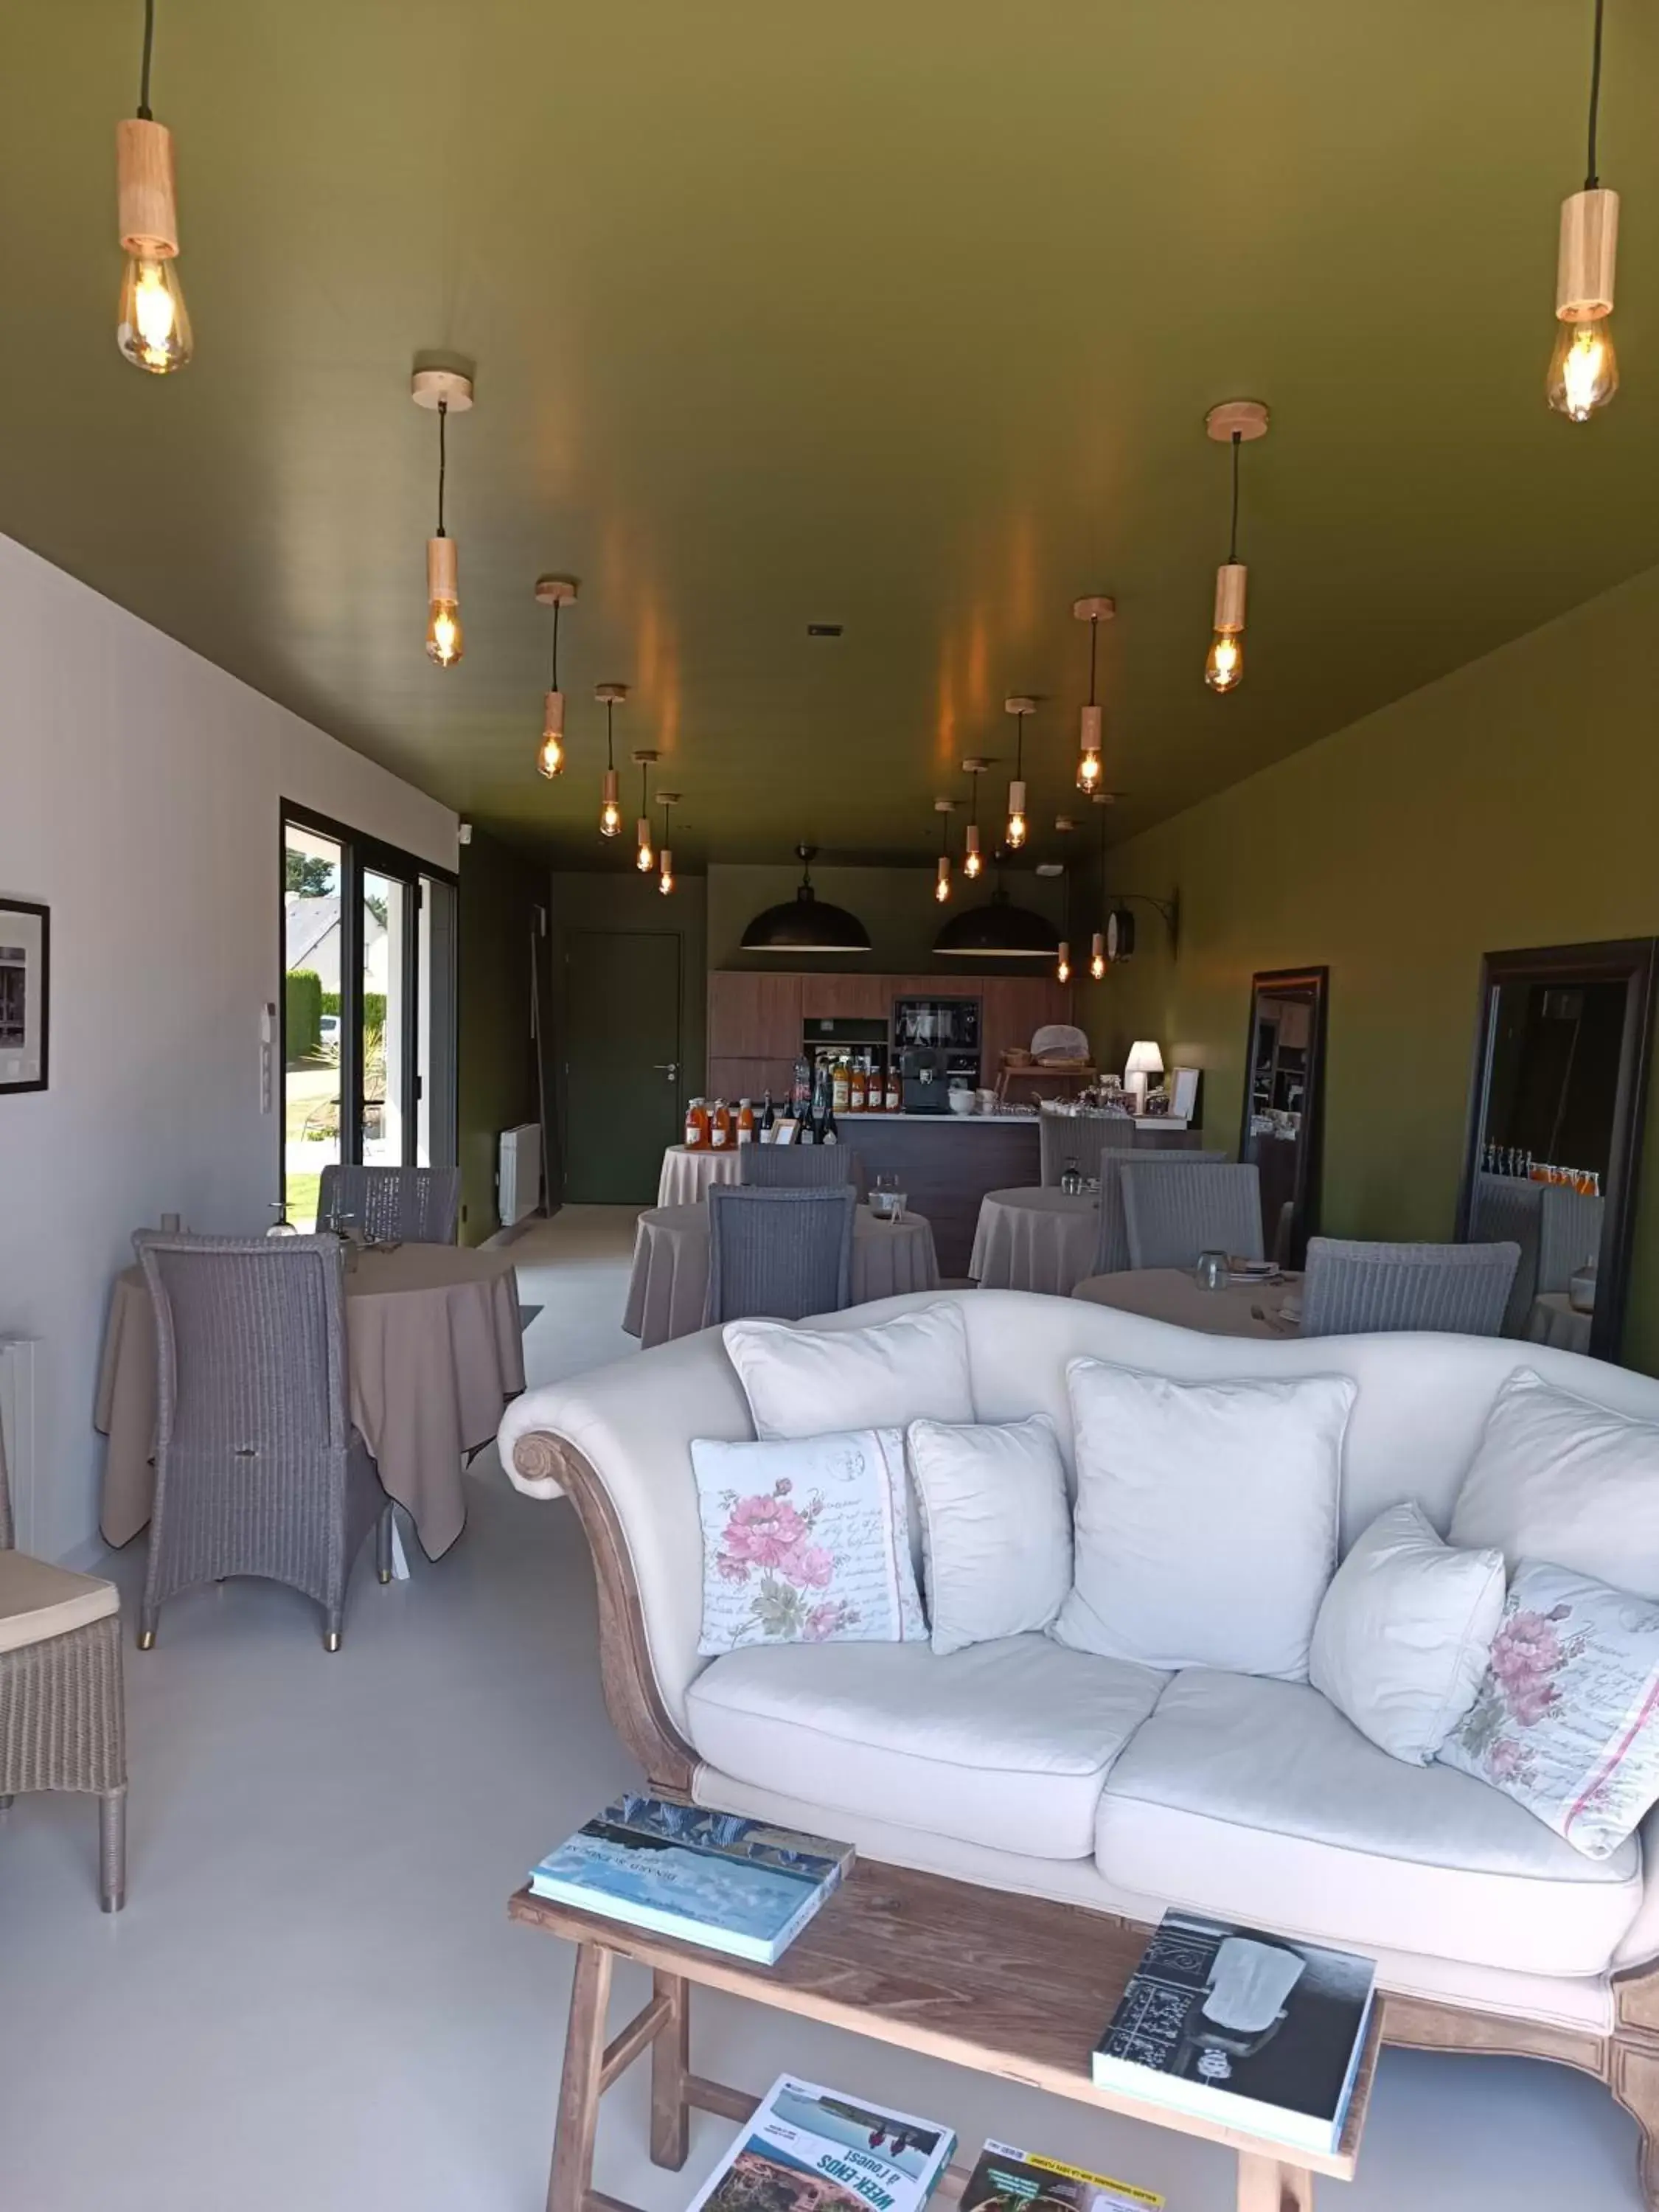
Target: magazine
1251	2030
1004	2179
733	1885
808	2149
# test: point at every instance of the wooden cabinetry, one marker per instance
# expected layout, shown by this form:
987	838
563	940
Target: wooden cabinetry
754	1016
1015	1007
845	998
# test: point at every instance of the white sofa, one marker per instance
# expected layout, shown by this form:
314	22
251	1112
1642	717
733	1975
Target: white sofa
1027	1766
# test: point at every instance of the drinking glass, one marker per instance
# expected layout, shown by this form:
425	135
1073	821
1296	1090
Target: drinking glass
887	1200
1211	1271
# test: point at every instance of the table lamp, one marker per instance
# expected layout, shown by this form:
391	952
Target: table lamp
1145	1059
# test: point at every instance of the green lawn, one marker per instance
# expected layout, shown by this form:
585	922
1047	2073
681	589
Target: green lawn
300	1191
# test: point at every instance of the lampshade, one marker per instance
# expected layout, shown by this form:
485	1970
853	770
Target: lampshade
1145	1059
1000	931
806	923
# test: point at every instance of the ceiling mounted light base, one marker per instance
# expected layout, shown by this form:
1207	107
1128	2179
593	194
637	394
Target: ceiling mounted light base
1244	419
611	695
644	759
1017	703
554	591
976	764
449	388
1098	609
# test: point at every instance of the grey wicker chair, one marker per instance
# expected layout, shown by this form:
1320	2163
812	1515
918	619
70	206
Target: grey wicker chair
1568	1234
389	1206
796	1167
1353	1289
1508	1210
779	1253
62	1718
258	1470
1187	1204
1081	1137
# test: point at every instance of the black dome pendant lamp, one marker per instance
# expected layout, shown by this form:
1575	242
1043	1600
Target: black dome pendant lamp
999	931
806	923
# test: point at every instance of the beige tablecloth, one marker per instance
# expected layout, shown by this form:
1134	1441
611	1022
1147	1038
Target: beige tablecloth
435	1352
686	1176
1171	1294
669	1286
1036	1240
1553	1321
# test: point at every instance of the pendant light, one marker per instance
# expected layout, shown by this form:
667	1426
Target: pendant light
1063	963
554	592
998	931
665	857
447	392
1097	942
1094	610
152	327
609	695
973	863
1014	832
806	923
1235	423
1583	373
945	808
644	858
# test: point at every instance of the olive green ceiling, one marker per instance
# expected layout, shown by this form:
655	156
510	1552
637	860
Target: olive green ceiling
904	316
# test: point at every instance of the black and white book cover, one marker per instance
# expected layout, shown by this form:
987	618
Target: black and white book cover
1255	2031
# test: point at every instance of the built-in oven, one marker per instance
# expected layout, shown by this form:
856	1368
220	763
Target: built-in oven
937	1025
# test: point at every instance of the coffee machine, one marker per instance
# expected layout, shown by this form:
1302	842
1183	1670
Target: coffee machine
928	1074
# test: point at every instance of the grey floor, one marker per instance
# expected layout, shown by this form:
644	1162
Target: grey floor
315	1999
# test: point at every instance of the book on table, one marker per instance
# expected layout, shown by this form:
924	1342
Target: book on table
1004	2179
1254	2032
730	1884
810	2149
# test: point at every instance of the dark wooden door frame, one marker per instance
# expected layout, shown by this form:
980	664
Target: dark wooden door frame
1311	1162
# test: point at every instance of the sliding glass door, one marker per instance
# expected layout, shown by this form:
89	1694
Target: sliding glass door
368	1010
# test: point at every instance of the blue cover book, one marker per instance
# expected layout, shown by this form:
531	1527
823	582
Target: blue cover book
733	1885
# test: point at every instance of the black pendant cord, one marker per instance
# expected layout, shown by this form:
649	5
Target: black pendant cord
1232	535
144	68
443	461
610	754
1592	181
554	684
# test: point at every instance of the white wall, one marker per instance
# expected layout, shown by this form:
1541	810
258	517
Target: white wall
140	791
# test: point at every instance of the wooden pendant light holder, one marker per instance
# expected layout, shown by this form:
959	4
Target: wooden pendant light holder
1589	249
146	190
1229	582
443	570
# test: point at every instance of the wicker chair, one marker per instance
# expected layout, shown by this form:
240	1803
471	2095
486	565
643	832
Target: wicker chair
796	1167
1508	1210
391	1205
1187	1204
1568	1234
779	1253
1080	1138
63	1719
258	1470
1354	1289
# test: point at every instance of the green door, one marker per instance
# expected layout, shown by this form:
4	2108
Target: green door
622	1063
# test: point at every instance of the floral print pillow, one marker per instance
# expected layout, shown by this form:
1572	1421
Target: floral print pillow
1566	1721
806	1542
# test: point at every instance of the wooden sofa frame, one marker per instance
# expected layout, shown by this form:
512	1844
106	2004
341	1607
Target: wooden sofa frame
1626	2061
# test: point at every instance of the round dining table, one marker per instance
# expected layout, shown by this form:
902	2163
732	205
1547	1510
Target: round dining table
1554	1319
434	1348
1171	1294
669	1286
685	1175
1036	1240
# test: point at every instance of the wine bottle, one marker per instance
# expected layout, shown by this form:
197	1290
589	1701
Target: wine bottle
768	1118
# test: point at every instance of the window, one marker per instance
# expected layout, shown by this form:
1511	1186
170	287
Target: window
368	1008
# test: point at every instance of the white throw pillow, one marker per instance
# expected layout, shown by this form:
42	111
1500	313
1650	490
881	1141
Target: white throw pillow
1567	1719
1556	1477
804	1542
1402	1637
996	1528
808	1381
1206	1516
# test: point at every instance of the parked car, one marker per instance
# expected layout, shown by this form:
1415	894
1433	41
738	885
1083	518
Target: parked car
328	1032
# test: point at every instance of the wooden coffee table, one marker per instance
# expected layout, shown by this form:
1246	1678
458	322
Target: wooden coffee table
1015	1986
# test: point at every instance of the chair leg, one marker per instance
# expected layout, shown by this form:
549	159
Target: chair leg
383	1543
333	1621
147	1631
112	1850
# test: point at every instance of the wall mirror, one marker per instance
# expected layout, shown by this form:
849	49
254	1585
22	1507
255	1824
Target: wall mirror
1284	1104
1555	1132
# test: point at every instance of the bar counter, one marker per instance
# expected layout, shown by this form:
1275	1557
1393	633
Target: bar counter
946	1163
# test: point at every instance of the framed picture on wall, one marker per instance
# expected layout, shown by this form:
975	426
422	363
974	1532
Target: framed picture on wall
25	964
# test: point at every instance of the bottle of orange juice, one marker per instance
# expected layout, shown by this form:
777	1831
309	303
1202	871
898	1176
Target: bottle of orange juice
696	1126
745	1120
719	1129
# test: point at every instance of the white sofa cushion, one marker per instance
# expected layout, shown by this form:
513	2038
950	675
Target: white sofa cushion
1555	1476
996	1527
1005	1744
1256	1801
806	1382
1403	1635
1205	1524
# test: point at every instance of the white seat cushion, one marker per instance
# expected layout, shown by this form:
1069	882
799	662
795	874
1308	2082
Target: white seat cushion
1006	1743
1256	1801
38	1600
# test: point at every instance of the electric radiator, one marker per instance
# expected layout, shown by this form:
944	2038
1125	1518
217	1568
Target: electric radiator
17	1385
519	1175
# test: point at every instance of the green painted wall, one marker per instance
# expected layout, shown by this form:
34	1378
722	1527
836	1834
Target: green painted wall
500	894
1513	802
896	905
